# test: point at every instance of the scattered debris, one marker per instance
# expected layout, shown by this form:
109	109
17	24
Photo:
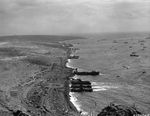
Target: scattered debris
130	46
119	110
126	67
147	38
141	41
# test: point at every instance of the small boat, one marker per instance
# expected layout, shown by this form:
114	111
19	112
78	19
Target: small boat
134	54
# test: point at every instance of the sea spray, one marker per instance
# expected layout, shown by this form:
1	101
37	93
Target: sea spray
73	97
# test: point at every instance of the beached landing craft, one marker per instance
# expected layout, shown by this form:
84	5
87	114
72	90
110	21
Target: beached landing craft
73	57
77	85
92	73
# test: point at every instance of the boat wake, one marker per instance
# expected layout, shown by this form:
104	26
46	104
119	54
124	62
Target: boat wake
104	86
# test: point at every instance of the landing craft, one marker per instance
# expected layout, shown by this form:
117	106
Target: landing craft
81	90
77	85
74	57
79	81
92	73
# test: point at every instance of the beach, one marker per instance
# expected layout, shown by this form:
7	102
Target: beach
35	79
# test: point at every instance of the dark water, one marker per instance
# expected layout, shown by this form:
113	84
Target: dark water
121	81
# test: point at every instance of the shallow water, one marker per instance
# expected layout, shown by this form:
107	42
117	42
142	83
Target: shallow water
120	80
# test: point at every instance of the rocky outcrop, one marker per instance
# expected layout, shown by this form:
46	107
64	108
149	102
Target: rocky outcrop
119	110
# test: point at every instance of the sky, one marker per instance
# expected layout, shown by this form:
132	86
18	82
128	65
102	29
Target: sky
73	16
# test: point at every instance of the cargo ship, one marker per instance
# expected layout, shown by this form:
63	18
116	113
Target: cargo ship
77	85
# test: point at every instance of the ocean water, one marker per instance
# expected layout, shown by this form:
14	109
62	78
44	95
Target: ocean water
123	79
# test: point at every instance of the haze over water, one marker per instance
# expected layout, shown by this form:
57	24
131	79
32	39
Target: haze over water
73	17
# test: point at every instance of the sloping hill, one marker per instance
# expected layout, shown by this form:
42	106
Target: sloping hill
39	38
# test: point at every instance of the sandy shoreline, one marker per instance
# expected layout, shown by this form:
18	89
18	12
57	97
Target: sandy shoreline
38	83
67	84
